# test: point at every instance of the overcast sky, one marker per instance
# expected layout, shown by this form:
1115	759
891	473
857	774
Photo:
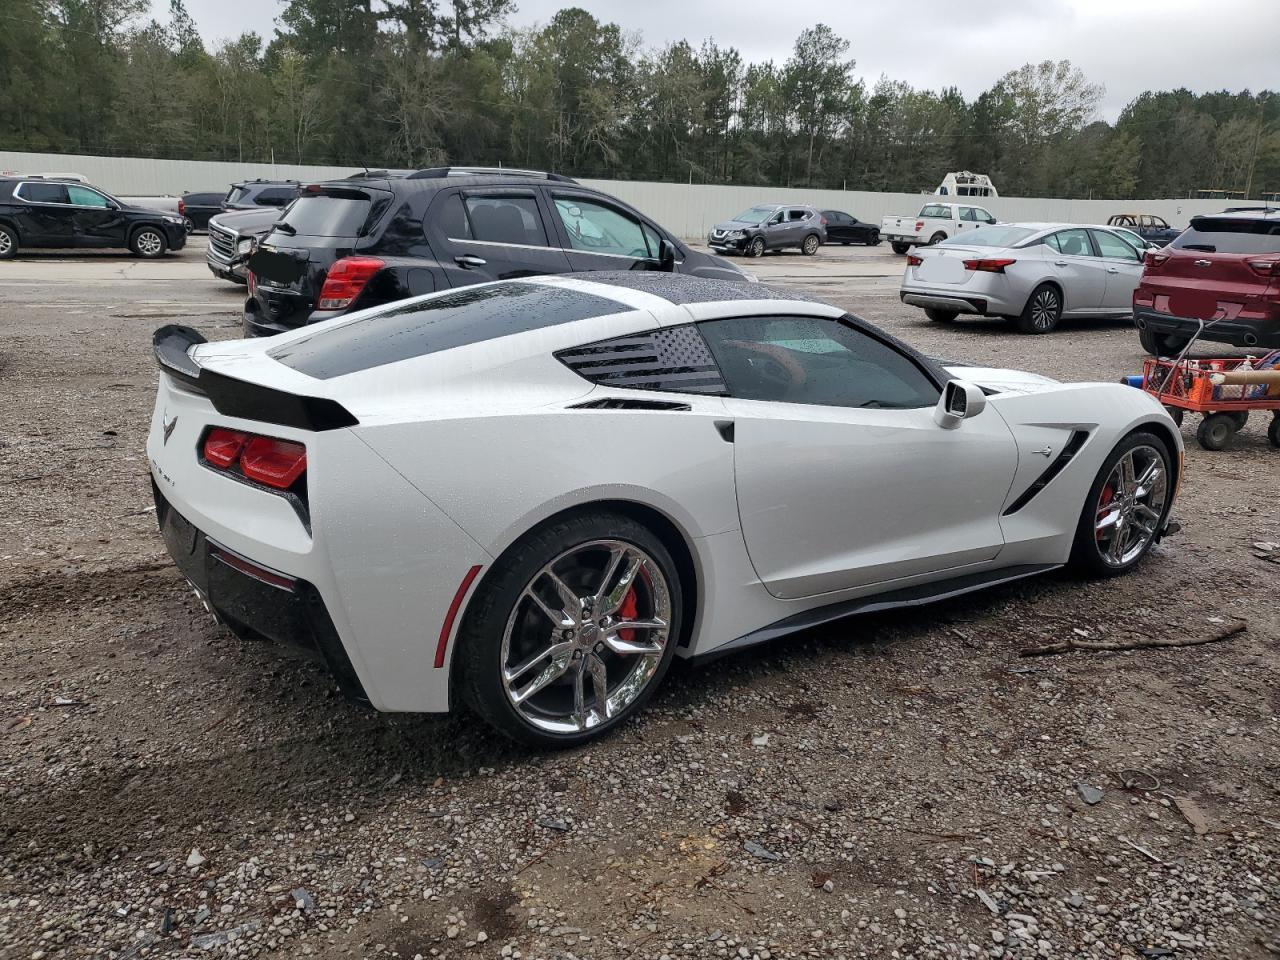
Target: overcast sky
1126	45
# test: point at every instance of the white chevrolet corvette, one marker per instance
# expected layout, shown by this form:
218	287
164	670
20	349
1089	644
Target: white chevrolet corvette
531	495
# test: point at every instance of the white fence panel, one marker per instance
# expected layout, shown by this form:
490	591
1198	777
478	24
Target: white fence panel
688	210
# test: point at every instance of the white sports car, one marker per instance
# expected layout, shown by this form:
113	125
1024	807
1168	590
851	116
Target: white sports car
530	495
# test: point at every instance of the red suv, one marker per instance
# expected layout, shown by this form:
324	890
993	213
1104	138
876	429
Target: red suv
1224	269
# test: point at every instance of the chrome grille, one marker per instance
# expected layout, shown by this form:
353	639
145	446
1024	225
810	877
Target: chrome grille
222	244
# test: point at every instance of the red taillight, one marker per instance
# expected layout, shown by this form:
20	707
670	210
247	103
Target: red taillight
989	266
275	463
1265	268
1154	259
919	225
346	279
913	260
222	447
182	207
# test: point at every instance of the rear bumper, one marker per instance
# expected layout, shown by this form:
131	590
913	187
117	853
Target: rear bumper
256	602
257	324
930	300
1255	332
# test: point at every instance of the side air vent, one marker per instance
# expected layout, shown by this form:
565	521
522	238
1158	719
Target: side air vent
1074	443
673	359
629	403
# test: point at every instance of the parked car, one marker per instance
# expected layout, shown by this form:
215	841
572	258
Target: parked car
845	228
1146	225
232	238
199	207
261	193
349	244
934	223
1223	271
770	226
397	492
60	213
1033	274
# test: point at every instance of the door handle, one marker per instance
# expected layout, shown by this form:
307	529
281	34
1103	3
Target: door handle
1112	270
469	261
1060	263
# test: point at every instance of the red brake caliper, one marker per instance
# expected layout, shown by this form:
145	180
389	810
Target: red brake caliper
627	611
1108	494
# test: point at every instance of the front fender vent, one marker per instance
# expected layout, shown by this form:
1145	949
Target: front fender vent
629	403
1074	443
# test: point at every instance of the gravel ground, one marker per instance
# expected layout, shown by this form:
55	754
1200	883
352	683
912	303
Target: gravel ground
896	786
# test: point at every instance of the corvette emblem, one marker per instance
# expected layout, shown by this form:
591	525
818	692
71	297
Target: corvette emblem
168	428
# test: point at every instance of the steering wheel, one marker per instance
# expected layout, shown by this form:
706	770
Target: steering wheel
770	363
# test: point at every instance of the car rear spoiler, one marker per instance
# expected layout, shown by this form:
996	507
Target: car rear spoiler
239	398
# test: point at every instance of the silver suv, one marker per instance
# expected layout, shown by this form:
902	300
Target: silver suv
771	226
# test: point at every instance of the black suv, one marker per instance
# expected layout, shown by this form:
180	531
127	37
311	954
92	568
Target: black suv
40	212
350	244
261	193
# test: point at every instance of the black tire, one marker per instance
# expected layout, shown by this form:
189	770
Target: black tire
1043	310
1161	345
1215	431
1086	555
8	242
1176	413
478	660
937	238
940	316
1273	430
1241	417
756	247
900	248
810	244
873	238
148	243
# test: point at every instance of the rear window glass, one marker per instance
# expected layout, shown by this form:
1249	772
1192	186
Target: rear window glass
989	237
1230	235
237	194
44	192
936	210
327	216
455	319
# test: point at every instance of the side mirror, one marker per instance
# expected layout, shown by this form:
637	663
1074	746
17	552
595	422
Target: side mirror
666	257
960	400
992	220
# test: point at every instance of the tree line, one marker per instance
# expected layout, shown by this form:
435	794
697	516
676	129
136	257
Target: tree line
409	83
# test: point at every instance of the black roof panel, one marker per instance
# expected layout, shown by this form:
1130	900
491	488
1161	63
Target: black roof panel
682	288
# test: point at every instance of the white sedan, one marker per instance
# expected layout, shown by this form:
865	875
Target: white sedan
529	496
1033	274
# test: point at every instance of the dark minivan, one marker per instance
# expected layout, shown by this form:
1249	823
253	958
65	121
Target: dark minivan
40	212
349	244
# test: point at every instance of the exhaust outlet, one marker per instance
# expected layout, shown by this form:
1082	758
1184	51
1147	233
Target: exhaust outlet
1250	340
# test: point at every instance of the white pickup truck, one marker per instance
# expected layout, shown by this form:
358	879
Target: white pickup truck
934	222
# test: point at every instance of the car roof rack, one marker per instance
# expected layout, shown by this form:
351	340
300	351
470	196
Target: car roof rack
431	173
1273	208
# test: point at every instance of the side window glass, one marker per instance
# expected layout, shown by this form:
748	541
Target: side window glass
1112	246
816	361
274	197
968	214
84	197
595	228
1074	243
452	218
44	192
982	215
506	219
778	217
797	215
672	359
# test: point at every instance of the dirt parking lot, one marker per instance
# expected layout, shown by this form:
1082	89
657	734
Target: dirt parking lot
898	786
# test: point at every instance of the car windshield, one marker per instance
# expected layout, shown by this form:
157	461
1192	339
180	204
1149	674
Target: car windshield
327	216
754	215
989	237
1230	235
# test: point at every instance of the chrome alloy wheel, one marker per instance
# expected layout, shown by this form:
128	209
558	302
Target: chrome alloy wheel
149	243
586	636
1044	309
6	243
1130	506
810	244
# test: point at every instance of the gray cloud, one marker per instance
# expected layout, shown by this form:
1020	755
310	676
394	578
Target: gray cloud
1126	46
